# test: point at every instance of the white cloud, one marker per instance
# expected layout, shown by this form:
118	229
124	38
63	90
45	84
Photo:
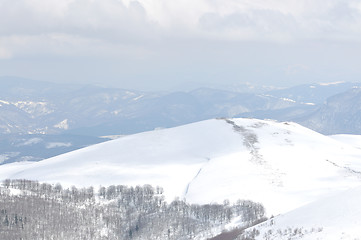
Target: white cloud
132	21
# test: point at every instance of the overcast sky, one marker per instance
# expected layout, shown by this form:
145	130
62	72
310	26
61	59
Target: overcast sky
165	44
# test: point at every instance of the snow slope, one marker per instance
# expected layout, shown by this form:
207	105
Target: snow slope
354	140
286	166
333	218
282	165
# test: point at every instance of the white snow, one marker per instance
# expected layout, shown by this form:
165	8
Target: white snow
30	107
4	102
288	100
128	95
63	124
333	218
330	83
354	140
112	137
137	98
281	165
30	142
309	103
292	166
58	144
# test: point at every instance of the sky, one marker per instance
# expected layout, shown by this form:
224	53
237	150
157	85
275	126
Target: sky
179	44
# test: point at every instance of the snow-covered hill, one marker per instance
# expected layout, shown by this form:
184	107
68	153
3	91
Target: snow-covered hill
333	218
281	165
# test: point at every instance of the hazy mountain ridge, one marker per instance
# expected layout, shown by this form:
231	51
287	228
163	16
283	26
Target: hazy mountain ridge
83	110
47	105
340	114
314	93
36	147
53	108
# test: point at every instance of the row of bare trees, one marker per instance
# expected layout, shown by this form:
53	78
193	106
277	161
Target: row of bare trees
33	210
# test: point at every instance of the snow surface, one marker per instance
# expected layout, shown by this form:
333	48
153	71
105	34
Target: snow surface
30	142
333	218
63	124
287	167
354	140
58	144
281	165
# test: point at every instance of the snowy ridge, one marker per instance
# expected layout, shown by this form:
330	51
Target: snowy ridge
281	165
284	166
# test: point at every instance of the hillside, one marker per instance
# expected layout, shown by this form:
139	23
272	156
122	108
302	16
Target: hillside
281	165
335	217
341	114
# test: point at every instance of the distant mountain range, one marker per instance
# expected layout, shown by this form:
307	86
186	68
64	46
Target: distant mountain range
36	147
29	107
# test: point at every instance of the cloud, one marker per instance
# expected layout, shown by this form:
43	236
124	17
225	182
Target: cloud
79	17
182	39
78	27
142	22
264	25
138	21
